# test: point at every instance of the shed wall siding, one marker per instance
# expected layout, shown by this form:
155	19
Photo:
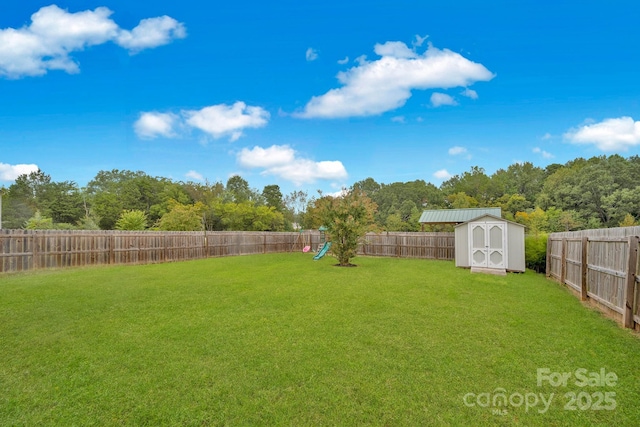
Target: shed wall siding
462	247
515	242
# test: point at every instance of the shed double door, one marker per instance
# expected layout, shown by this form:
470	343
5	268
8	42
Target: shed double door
487	244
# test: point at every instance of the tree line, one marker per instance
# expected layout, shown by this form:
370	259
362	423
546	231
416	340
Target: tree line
602	191
127	200
598	192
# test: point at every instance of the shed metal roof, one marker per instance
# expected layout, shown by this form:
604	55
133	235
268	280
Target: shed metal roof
456	216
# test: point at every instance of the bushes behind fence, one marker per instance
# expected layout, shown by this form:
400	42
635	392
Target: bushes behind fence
535	249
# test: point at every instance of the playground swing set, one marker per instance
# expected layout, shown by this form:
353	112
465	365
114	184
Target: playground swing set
305	239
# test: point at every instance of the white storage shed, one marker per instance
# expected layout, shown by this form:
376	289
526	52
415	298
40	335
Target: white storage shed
490	243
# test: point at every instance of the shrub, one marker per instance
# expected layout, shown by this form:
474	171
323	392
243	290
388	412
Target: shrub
132	220
535	249
39	222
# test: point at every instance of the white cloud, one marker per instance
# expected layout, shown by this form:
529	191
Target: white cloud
343	61
454	151
543	153
470	93
442	174
258	157
54	33
283	161
375	87
438	99
152	125
399	119
11	172
227	120
194	175
219	121
394	49
609	135
307	171
311	54
151	32
547	136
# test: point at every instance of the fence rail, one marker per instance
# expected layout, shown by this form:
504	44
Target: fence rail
601	266
22	250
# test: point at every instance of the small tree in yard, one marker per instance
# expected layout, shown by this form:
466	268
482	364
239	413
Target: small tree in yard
347	218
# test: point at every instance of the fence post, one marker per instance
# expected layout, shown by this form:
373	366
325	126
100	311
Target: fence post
397	247
112	244
584	268
547	262
206	244
34	250
563	261
632	262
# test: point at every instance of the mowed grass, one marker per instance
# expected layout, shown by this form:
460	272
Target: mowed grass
283	340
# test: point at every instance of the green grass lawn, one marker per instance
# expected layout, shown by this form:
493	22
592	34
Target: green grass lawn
283	340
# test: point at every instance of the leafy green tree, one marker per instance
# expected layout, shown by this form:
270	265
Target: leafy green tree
394	223
511	204
88	222
132	220
238	191
461	200
236	216
369	186
245	216
559	220
212	215
523	179
111	192
182	217
475	184
404	218
620	203
23	198
390	198
536	220
169	192
273	197
66	203
15	211
347	218
205	193
593	188
39	222
108	208
266	218
535	249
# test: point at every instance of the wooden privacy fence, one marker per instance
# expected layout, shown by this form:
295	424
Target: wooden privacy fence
22	250
601	266
409	245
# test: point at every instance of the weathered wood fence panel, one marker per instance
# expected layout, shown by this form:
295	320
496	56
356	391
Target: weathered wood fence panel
409	245
601	266
22	250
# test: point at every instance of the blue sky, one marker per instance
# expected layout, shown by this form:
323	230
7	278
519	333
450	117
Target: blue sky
314	95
